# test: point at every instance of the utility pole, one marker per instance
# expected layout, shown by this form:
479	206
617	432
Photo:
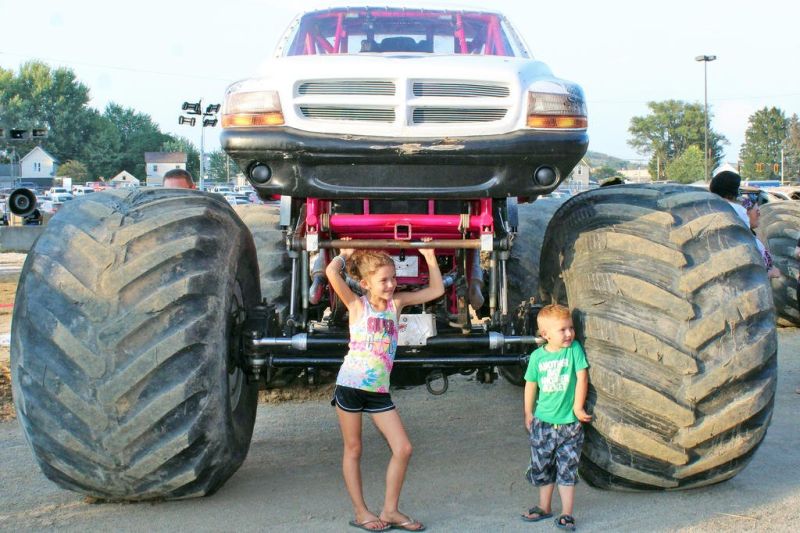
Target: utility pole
705	59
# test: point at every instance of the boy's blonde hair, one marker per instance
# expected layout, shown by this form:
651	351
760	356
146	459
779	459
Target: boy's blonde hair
363	262
551	311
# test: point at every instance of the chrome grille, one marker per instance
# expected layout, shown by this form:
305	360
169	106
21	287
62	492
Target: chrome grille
432	115
459	90
355	87
330	112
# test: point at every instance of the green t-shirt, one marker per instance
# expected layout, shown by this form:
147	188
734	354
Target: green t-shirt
556	375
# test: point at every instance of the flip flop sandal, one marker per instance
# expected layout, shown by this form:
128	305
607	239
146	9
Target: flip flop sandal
565	521
407	525
363	525
543	515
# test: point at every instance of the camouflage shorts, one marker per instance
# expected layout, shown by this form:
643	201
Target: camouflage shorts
555	452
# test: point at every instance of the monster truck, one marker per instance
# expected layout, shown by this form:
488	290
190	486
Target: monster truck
779	230
146	319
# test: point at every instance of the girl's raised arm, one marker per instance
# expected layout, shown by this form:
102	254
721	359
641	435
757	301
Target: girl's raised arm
335	271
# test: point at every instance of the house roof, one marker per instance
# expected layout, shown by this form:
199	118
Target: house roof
38	150
125	176
165	157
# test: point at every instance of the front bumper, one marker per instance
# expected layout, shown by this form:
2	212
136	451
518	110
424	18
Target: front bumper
345	166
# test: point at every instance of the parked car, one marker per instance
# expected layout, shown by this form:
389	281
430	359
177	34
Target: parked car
762	184
96	185
237	199
223	189
60	197
50	206
786	192
57	190
80	190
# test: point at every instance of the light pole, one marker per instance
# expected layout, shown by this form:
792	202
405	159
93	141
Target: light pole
705	60
208	119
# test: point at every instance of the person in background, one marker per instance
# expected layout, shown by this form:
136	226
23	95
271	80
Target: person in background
726	184
177	178
754	217
797	256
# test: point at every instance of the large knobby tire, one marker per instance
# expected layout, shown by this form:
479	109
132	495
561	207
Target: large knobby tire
779	230
522	268
274	264
126	375
671	300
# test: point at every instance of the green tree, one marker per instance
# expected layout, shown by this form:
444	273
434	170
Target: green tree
791	149
687	167
763	140
221	167
670	129
73	169
137	134
182	144
102	151
41	97
603	173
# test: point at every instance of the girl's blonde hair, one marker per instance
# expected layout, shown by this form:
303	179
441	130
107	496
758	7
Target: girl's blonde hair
362	263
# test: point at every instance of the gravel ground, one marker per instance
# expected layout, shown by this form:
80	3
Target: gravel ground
466	475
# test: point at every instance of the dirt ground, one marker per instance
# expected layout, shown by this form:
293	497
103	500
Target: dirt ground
10	264
470	454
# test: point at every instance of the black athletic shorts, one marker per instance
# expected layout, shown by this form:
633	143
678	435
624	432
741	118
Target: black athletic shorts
357	400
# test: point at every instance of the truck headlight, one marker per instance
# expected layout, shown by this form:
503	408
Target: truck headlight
557	110
246	109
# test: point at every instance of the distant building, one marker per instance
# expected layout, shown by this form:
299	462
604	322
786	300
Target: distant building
124	179
157	164
578	179
38	164
636	175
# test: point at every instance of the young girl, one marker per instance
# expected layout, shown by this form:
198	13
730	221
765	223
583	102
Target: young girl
363	381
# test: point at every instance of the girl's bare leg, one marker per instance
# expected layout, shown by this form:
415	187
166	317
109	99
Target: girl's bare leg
390	425
350	425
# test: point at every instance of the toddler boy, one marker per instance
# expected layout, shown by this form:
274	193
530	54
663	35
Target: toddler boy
555	392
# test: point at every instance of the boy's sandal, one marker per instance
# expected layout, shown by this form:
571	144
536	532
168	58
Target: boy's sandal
565	521
541	514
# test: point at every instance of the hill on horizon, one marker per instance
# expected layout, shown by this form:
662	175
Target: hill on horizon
598	159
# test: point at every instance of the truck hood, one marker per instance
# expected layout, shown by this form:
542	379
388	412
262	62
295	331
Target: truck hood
487	68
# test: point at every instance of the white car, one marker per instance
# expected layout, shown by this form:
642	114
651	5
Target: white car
60	197
236	199
80	190
50	206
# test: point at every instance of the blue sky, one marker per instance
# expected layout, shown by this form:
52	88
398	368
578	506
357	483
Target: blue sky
152	56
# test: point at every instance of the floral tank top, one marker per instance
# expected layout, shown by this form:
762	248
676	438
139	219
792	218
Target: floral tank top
373	342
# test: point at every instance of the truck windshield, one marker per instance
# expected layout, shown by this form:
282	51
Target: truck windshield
387	30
